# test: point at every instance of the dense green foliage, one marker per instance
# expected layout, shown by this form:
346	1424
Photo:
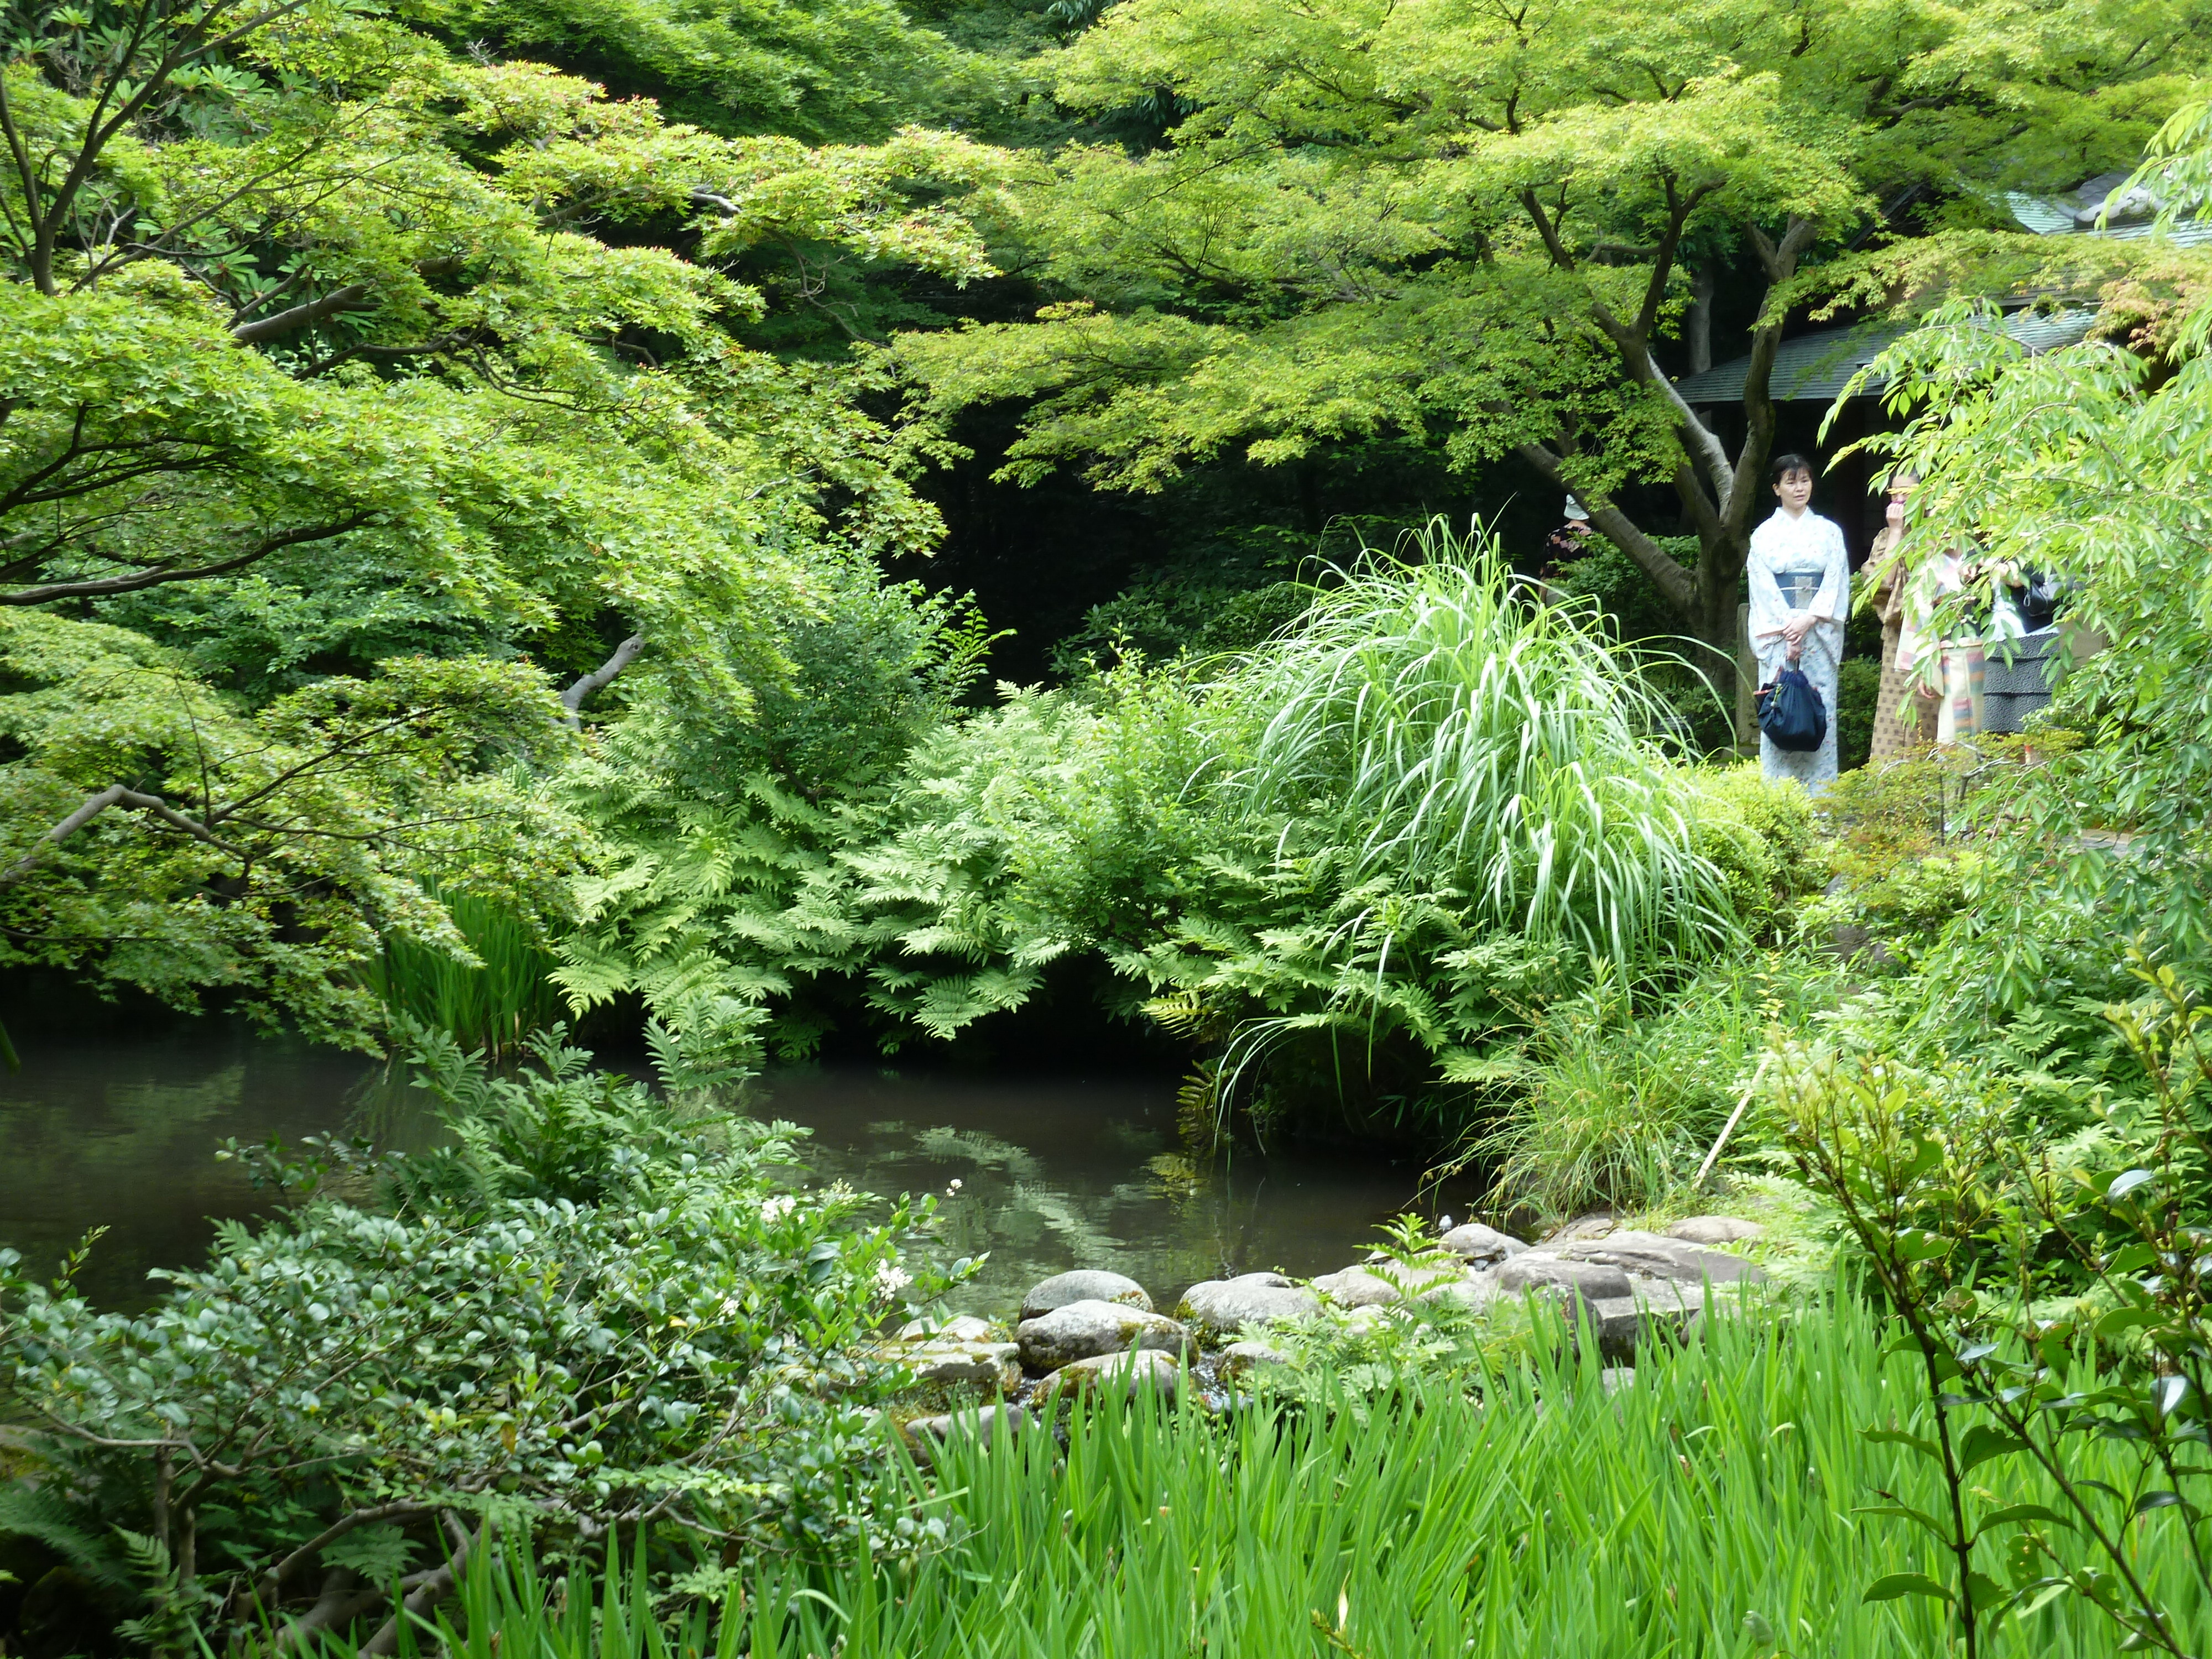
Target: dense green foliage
1707	1508
447	524
331	440
1376	839
586	1313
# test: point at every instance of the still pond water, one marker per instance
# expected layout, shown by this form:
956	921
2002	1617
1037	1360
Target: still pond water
1054	1172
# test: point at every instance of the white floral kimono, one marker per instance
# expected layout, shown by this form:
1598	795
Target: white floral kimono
1799	564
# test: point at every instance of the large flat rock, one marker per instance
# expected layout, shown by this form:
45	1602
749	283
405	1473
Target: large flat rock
961	1327
1655	1310
1547	1269
1223	1307
1484	1246
1375	1284
1085	1330
1654	1256
1715	1230
994	1367
1083	1285
991	1424
1109	1376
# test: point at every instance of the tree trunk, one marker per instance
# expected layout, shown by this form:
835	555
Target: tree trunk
1697	321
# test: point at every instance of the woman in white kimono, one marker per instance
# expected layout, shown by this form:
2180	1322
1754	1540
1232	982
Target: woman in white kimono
1801	585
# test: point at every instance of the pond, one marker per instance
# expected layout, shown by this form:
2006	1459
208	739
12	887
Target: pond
120	1132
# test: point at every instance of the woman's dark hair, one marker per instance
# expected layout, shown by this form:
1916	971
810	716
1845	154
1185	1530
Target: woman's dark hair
1782	466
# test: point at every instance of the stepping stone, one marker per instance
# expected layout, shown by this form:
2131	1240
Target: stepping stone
1083	1285
1242	1359
1547	1269
961	1327
1715	1230
992	1423
1223	1307
1482	1245
1083	1330
995	1366
1657	1257
1116	1375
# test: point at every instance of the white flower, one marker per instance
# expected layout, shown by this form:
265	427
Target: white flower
890	1280
774	1209
953	1187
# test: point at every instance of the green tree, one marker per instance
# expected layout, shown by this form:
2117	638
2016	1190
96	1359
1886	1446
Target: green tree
303	307
1479	225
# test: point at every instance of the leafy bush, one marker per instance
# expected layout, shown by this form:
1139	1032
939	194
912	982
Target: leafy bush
1858	689
2057	1302
1760	836
586	1315
268	858
1373	845
1613	1098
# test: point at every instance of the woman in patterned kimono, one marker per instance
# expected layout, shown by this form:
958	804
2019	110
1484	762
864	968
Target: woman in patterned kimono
1801	585
1903	716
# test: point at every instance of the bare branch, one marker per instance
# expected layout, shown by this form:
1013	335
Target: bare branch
1547	230
572	698
114	795
1697	437
354	296
426	1596
1676	584
155	576
272	1582
1780	260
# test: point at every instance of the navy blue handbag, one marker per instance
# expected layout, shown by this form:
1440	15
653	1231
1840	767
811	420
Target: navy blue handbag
1789	712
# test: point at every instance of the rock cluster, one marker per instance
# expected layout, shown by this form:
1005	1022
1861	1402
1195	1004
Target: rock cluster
1092	1333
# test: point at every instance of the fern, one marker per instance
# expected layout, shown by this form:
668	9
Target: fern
33	1512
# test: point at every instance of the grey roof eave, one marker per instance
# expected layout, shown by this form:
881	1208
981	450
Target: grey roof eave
1816	368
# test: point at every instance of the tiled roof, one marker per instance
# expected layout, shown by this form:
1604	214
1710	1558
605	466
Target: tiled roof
2077	213
1815	367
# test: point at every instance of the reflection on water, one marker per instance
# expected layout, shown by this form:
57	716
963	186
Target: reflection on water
121	1133
1053	1173
1057	1174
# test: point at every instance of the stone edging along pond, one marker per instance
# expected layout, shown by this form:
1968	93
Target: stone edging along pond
1080	1332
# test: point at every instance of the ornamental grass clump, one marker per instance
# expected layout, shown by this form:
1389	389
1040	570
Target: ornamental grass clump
1458	733
1713	1504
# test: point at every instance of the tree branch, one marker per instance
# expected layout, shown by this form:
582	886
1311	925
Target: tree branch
572	698
114	795
157	575
1675	584
354	296
426	1596
1547	230
272	1582
1780	260
1697	438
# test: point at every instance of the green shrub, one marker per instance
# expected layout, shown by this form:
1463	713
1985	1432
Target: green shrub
1760	835
1356	856
1858	689
587	1314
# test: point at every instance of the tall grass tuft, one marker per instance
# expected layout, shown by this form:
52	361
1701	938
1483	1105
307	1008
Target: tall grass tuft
1621	1094
494	1003
1471	737
1707	1508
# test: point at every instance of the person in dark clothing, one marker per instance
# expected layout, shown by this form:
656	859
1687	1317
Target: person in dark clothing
1570	541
